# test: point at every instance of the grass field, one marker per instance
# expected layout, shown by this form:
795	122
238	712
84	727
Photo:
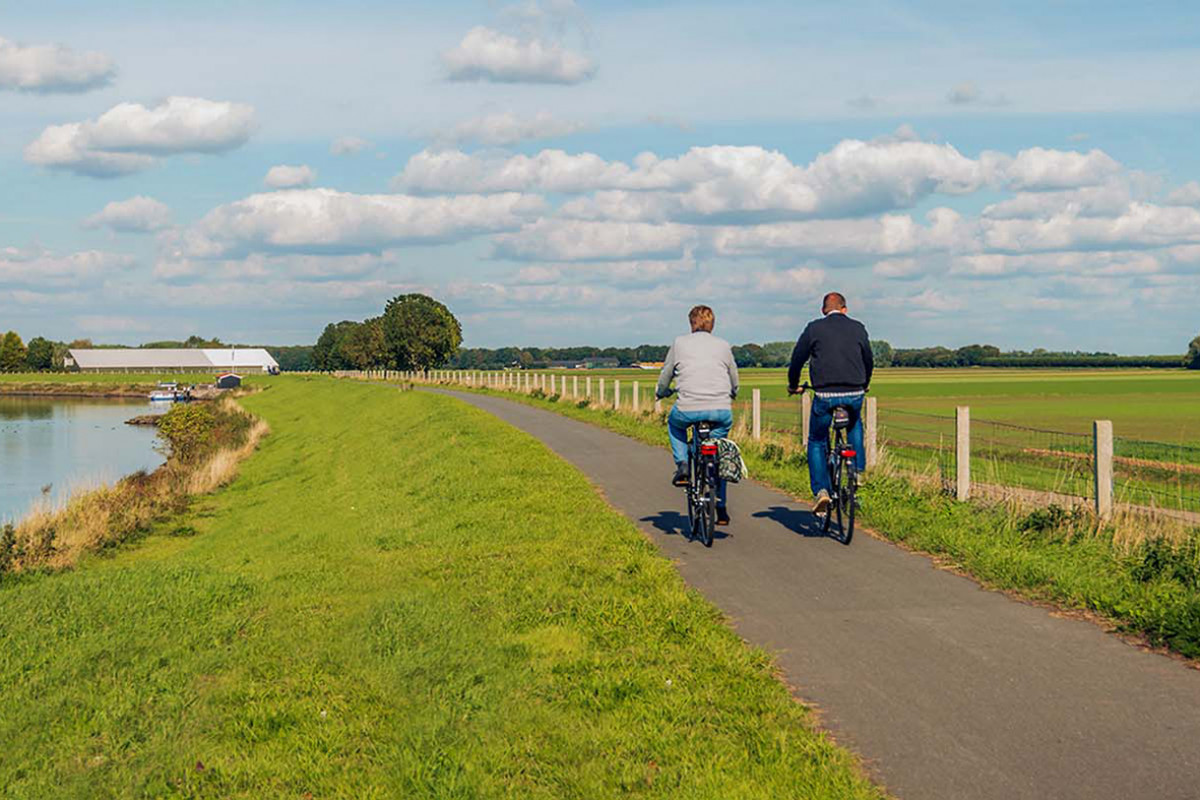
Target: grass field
398	597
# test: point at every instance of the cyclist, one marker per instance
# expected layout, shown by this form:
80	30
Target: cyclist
706	378
840	364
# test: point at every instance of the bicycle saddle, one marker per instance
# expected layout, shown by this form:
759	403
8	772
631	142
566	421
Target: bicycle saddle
841	417
704	428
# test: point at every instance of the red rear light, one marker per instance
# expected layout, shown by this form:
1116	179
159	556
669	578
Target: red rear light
848	454
708	449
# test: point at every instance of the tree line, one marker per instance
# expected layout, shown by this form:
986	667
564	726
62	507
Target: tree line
414	332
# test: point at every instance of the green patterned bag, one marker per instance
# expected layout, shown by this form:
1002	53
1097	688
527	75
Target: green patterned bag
730	466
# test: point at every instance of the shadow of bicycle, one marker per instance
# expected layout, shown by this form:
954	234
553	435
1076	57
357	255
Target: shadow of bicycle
799	521
673	523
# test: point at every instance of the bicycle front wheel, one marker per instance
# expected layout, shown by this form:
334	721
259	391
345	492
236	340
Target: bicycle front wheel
847	502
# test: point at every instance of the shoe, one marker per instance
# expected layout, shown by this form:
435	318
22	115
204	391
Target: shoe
681	475
722	515
822	502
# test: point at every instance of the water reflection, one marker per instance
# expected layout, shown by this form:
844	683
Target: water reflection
65	443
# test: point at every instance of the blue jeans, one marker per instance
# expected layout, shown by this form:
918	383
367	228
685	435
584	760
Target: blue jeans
818	438
677	427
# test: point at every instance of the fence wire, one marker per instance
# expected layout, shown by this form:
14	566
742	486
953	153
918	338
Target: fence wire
1156	474
1005	454
919	443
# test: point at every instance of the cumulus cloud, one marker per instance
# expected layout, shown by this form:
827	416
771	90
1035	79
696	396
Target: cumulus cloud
328	221
131	137
285	176
507	128
576	240
47	68
489	55
1186	195
1040	169
136	215
348	146
43	269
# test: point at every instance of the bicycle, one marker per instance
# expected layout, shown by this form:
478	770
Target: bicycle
702	482
843	476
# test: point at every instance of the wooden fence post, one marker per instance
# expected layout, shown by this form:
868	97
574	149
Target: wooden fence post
756	414
616	394
805	416
1102	435
637	400
870	431
962	453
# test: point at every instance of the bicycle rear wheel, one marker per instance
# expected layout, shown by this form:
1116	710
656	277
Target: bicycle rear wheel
846	501
707	508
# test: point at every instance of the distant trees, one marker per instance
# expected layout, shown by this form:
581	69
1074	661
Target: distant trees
40	354
419	332
881	352
1193	354
12	353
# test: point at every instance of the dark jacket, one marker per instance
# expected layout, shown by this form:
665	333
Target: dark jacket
839	352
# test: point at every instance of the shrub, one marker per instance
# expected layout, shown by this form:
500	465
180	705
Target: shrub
188	430
1159	558
8	547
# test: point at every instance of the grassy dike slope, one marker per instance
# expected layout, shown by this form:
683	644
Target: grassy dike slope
399	597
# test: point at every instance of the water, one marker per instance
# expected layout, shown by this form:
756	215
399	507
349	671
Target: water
66	444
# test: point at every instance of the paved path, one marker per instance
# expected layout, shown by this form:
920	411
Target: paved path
946	690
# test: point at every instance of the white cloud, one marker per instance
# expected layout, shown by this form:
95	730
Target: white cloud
46	68
1186	195
485	54
136	215
348	146
507	128
131	137
42	269
328	221
1039	169
285	176
576	240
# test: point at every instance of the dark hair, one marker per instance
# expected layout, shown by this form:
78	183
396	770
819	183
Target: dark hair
702	319
834	301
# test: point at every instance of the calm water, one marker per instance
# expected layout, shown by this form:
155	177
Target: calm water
68	443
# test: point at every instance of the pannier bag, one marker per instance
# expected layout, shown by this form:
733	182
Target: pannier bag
730	466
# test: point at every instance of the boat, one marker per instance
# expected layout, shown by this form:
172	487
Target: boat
165	393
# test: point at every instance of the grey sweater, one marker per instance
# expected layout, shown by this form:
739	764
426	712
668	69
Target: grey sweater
704	371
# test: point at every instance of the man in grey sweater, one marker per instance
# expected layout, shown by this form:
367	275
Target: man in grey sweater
706	378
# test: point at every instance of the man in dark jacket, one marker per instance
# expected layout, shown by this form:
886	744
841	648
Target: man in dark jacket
838	351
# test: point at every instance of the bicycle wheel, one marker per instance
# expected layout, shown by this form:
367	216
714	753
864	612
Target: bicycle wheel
707	511
847	500
690	498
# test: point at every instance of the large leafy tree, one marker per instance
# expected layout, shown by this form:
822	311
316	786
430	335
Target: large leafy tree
1193	356
40	354
12	353
327	353
420	333
364	345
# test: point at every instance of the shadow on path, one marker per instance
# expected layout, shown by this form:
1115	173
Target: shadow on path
673	523
799	521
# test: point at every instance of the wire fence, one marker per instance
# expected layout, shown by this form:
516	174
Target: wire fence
919	442
1158	475
1005	454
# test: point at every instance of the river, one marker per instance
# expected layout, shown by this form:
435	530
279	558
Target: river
51	446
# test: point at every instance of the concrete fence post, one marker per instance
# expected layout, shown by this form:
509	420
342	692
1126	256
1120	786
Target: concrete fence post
871	432
962	453
637	398
602	391
616	394
756	414
805	416
658	408
574	387
1102	435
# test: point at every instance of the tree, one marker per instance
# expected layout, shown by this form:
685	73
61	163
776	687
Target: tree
327	353
12	353
419	332
364	346
1193	356
40	354
882	353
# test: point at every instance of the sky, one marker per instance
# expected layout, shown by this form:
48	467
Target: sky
564	173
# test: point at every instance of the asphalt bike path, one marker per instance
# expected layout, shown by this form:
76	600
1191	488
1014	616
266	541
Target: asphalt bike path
945	689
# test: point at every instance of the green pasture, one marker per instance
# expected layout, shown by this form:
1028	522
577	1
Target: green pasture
398	597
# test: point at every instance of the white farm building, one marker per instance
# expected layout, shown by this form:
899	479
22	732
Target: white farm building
220	359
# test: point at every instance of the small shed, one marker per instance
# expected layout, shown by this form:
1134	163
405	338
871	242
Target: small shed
227	380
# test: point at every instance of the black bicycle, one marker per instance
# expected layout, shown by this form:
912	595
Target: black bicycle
702	482
843	476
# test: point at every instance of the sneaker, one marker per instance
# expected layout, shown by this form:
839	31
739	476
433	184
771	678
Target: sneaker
681	474
822	502
722	515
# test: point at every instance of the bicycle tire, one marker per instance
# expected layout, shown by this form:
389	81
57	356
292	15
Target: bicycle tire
708	506
690	498
849	500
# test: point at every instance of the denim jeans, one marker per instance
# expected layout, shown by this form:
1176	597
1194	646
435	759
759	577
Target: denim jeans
677	426
818	438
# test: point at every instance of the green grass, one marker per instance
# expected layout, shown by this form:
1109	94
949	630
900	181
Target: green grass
398	597
1054	557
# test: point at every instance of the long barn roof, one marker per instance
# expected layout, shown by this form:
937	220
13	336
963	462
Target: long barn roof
176	358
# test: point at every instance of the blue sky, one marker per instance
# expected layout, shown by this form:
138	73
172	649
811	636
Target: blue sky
569	173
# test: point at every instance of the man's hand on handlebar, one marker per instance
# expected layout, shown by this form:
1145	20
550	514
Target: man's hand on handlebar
798	390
